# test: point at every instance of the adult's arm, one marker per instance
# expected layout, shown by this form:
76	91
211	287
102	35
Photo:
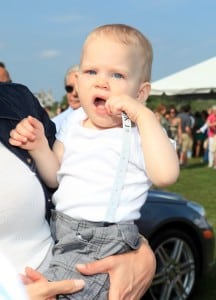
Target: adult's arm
139	265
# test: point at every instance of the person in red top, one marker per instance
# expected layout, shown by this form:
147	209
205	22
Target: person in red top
211	123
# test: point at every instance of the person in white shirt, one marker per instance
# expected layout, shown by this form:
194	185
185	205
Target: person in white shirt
71	95
105	170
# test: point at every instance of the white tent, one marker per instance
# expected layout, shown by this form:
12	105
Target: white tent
198	79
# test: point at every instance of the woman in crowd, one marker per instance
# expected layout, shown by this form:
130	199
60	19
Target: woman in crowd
161	114
174	127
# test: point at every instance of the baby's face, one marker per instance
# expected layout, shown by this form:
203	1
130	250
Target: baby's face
108	68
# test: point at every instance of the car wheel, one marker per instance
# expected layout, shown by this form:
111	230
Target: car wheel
178	266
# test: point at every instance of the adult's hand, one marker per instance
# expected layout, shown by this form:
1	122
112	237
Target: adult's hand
130	274
38	288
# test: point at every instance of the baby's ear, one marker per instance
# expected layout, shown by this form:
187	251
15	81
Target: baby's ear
144	91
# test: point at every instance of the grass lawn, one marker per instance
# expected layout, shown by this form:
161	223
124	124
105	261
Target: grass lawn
198	182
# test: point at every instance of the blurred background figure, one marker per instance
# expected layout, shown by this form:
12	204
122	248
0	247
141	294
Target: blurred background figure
48	109
174	127
204	130
71	95
186	136
211	123
161	114
199	136
4	74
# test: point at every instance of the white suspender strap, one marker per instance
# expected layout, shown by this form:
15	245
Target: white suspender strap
121	170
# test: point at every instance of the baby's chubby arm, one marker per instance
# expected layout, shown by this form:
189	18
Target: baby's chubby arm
29	135
159	153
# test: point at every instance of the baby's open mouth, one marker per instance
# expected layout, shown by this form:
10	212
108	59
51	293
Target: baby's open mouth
99	102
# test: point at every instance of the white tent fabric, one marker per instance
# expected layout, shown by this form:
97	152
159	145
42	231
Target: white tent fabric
198	79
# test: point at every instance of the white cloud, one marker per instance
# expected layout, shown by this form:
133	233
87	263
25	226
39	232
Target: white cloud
49	53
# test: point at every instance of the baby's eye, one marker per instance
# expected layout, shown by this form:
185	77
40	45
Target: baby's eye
117	75
91	72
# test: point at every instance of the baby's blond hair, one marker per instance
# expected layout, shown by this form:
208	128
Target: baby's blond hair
129	36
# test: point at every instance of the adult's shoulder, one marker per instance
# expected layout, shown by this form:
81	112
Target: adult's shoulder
16	93
18	102
18	98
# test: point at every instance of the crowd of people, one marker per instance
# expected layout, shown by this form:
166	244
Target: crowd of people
194	132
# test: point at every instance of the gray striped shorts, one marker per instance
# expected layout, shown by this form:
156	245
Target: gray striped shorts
78	241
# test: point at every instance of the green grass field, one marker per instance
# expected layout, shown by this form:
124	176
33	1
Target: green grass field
197	182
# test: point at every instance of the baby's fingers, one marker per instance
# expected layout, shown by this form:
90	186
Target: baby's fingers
17	139
113	108
23	132
26	129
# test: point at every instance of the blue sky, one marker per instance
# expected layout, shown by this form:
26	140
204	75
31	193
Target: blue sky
40	39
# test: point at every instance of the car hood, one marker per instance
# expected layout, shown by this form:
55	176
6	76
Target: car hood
155	195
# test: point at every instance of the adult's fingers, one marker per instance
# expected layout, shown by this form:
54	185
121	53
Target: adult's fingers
64	287
47	290
95	267
34	275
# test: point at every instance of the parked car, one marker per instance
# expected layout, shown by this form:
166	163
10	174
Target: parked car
182	240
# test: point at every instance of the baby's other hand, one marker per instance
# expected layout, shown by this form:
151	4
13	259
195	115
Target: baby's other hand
27	133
